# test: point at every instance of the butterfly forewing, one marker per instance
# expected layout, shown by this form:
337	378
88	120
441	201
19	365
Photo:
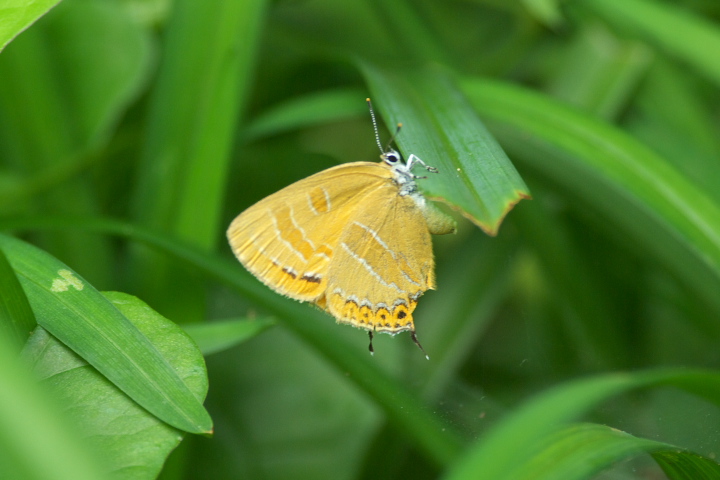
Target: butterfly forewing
289	239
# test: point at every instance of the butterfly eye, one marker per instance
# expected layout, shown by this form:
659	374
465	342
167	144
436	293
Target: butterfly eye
391	157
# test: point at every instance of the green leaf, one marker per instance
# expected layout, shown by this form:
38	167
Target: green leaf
440	127
690	38
79	316
17	15
133	442
614	174
213	337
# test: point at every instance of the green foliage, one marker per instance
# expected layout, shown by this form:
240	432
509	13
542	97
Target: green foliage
579	341
132	442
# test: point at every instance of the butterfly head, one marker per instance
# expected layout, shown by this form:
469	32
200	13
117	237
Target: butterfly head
403	177
391	157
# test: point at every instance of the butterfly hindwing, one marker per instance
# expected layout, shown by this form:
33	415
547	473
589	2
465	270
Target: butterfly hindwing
382	264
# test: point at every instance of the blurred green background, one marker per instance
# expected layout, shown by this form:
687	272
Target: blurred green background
133	131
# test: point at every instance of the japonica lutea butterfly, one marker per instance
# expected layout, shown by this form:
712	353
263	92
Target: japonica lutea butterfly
353	239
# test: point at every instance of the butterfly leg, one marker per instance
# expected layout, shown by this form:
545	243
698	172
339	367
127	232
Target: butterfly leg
413	159
414	339
370	347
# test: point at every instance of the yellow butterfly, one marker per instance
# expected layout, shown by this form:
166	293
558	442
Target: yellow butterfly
353	239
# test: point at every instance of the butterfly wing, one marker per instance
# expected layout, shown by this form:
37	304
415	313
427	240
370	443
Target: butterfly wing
382	264
288	239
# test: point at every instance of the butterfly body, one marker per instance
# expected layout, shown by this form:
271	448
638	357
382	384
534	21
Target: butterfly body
353	239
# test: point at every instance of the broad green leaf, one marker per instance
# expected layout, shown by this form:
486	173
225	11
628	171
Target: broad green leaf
213	337
689	37
134	442
440	127
613	173
36	442
79	316
16	316
505	451
17	15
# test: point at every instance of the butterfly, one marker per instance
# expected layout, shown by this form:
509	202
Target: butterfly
353	239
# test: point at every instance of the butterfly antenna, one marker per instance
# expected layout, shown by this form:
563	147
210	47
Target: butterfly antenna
370	347
377	138
414	339
392	139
